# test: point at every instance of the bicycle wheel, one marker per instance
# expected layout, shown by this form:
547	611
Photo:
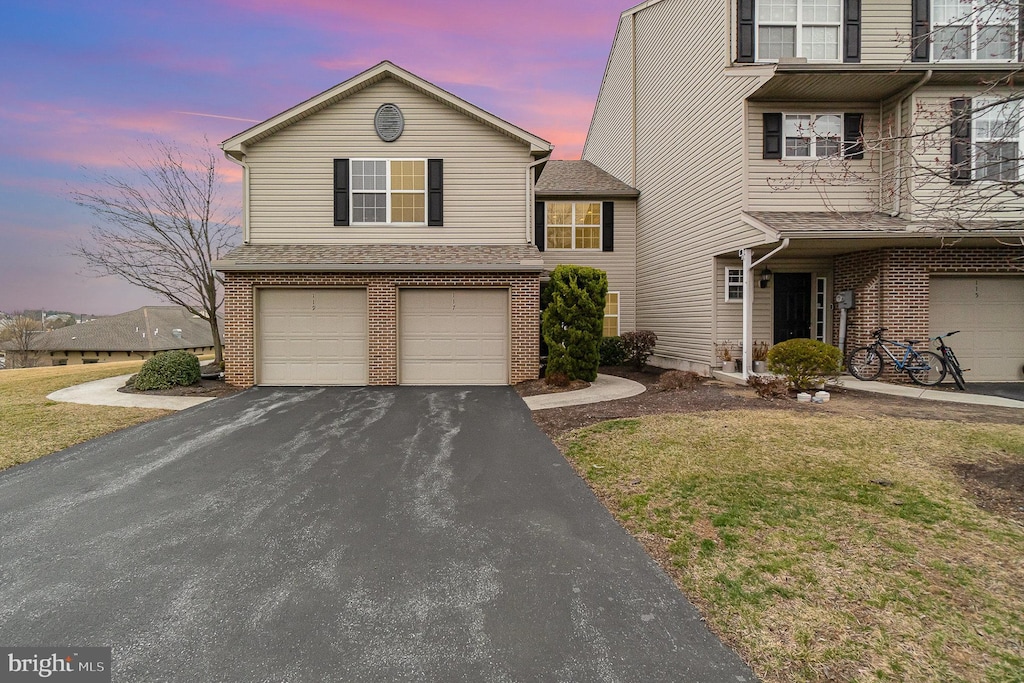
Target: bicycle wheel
953	365
864	363
926	368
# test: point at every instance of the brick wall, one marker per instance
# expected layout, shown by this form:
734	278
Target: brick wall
891	286
382	301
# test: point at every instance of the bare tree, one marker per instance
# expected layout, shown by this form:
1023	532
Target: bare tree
16	338
163	229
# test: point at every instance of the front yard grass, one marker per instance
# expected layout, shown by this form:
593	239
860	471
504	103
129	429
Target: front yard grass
32	426
824	547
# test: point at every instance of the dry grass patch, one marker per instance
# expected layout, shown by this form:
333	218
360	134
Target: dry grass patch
825	547
32	426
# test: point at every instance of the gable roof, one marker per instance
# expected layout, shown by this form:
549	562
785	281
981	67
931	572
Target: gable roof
150	328
580	178
235	146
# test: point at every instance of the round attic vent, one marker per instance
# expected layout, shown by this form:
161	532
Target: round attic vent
389	122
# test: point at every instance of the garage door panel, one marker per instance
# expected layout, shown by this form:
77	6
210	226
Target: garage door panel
454	336
312	337
989	312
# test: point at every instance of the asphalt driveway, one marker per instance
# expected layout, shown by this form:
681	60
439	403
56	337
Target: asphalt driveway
371	534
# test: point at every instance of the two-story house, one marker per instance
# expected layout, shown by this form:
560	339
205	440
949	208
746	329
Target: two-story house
794	154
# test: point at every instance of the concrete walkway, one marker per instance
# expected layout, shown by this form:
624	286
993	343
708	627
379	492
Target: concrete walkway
104	392
905	390
604	388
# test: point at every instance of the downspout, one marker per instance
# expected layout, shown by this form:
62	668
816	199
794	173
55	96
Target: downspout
748	300
530	196
901	101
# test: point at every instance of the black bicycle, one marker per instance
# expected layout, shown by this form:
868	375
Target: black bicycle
952	364
924	367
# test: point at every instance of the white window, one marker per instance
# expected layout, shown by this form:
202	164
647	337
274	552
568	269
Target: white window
611	315
997	140
734	284
389	191
798	28
974	29
812	136
573	225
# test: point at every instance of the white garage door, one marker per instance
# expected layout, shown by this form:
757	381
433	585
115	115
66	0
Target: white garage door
312	337
453	336
989	312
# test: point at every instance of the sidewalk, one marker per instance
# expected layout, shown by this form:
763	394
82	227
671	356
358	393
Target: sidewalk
604	388
104	392
905	390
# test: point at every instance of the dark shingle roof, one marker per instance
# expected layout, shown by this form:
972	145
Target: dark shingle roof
835	223
580	178
150	328
384	257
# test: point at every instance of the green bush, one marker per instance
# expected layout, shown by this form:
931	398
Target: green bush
611	351
573	321
805	362
638	347
168	369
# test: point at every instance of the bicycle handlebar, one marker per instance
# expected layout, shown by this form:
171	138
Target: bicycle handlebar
879	331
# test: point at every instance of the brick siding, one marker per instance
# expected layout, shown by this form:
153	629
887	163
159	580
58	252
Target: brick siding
382	301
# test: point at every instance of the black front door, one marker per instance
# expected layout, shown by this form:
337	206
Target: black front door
792	306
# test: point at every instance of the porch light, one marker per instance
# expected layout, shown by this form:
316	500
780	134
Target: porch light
766	277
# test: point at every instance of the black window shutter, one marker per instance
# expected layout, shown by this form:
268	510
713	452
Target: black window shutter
1020	34
608	226
341	191
851	31
960	142
853	136
538	225
772	135
920	41
745	31
435	191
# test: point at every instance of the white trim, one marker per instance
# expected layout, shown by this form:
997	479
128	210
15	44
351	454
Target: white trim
617	316
728	270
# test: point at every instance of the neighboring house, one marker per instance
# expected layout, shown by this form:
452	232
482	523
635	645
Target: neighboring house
743	126
141	333
388	230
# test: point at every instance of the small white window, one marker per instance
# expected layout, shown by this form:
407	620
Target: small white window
983	30
734	284
798	28
611	314
997	140
812	136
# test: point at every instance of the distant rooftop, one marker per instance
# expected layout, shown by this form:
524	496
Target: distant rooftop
580	179
150	328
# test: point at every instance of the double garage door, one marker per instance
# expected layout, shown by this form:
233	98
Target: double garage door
989	312
321	336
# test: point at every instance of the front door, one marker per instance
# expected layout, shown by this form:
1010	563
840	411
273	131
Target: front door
792	306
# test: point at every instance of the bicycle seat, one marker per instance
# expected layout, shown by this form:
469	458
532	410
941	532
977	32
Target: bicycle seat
912	341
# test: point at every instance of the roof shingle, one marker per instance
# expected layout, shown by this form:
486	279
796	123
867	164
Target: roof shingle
150	328
386	257
580	178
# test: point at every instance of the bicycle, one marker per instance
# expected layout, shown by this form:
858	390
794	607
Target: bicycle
867	362
952	364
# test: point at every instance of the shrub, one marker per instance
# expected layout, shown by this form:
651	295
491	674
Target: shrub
679	379
768	386
168	369
573	321
805	362
638	347
611	351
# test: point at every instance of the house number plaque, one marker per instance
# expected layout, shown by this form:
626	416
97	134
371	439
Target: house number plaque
389	122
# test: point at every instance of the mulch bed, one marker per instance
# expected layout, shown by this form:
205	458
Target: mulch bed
207	388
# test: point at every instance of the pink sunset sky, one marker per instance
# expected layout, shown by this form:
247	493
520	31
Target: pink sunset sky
87	83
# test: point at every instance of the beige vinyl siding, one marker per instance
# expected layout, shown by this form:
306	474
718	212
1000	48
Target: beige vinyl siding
889	126
885	32
291	173
620	265
691	173
934	197
729	314
807	185
609	142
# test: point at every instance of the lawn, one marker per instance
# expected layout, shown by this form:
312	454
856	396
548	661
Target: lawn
32	426
825	547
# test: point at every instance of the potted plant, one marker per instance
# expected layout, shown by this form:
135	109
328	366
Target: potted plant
759	356
724	353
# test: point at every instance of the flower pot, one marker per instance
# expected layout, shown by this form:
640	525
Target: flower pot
760	366
728	366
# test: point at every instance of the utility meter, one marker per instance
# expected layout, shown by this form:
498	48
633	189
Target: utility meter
844	299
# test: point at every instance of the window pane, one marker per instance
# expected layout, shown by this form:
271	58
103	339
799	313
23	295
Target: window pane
611	326
952	42
828	129
996	161
588	214
820	11
369	208
948	11
797	129
588	237
775	42
407	208
769	11
611	303
996	42
407	175
559	238
820	42
559	213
